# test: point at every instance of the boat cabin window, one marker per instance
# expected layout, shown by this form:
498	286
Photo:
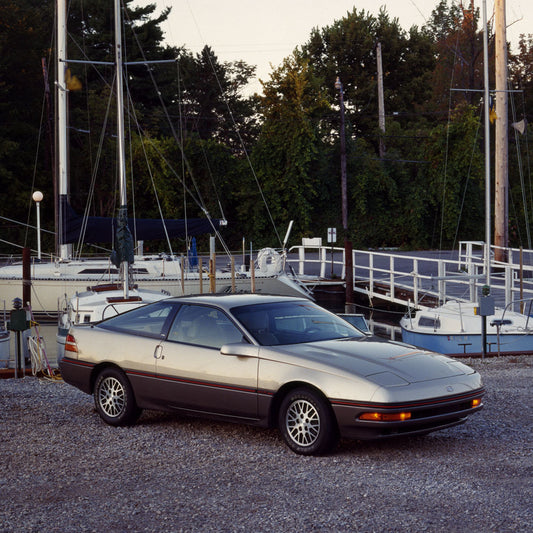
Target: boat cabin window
429	322
98	271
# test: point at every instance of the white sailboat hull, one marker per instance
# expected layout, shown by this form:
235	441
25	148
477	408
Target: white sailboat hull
53	283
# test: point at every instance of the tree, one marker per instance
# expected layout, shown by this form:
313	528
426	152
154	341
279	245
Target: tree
213	105
376	188
287	154
459	51
455	180
24	42
521	74
347	49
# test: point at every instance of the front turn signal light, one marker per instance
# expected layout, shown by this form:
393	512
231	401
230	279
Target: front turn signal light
385	417
476	402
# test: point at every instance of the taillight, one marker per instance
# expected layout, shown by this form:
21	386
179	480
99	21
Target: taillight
70	344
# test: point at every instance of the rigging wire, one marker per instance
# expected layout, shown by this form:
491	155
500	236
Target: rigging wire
245	151
241	141
447	146
92	186
199	200
521	174
469	174
180	118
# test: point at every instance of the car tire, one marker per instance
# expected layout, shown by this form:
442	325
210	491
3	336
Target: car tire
307	423
114	399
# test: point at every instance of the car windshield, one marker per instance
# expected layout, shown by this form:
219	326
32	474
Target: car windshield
292	322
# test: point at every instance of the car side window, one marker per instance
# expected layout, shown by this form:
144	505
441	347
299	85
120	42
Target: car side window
146	321
203	326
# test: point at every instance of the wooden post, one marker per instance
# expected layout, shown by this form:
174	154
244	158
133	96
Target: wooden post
381	102
348	276
26	277
201	275
252	275
212	283
182	275
232	274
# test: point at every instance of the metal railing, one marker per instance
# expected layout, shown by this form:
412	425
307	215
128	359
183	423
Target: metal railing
423	279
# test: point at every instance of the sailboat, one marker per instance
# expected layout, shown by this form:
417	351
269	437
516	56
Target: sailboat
457	327
53	281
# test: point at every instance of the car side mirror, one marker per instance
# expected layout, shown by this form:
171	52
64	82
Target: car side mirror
241	349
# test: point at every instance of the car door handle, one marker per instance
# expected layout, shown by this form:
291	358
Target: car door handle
158	352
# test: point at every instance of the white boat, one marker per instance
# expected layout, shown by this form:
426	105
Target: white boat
53	281
455	328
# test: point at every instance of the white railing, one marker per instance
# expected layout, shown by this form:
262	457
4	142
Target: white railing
422	279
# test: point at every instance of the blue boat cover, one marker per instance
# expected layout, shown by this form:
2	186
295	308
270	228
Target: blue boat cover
102	229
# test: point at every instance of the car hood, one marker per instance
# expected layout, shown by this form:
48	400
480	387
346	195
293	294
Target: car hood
370	356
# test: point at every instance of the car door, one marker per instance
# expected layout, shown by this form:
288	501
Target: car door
132	341
195	376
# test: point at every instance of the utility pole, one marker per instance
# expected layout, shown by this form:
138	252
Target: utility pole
381	102
501	207
348	263
488	221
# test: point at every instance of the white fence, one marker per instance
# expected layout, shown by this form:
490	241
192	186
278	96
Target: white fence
420	278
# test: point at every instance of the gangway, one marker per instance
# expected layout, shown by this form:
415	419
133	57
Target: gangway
418	279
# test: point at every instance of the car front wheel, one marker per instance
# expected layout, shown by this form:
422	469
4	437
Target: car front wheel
114	399
307	423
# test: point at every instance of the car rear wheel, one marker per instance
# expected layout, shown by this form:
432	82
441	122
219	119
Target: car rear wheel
307	423
114	399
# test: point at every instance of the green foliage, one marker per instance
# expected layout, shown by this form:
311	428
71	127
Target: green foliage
286	154
24	42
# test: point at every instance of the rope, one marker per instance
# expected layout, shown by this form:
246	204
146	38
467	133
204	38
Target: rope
39	359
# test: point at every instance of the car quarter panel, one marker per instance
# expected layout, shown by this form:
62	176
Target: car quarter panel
97	347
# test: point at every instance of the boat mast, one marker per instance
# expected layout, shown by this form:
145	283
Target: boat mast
61	129
501	149
487	143
121	148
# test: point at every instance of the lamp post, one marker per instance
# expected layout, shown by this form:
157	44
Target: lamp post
37	198
348	263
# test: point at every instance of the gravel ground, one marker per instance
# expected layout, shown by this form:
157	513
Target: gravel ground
64	470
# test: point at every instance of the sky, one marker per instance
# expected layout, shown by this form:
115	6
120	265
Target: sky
264	32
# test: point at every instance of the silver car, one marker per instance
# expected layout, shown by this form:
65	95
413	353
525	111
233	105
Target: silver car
268	361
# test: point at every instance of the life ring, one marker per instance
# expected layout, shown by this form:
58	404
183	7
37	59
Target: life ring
268	262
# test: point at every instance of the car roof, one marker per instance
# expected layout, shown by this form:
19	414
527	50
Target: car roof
227	301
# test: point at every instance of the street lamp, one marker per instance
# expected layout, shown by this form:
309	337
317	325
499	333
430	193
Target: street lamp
37	198
348	263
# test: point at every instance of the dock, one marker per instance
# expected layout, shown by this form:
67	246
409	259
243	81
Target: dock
419	280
